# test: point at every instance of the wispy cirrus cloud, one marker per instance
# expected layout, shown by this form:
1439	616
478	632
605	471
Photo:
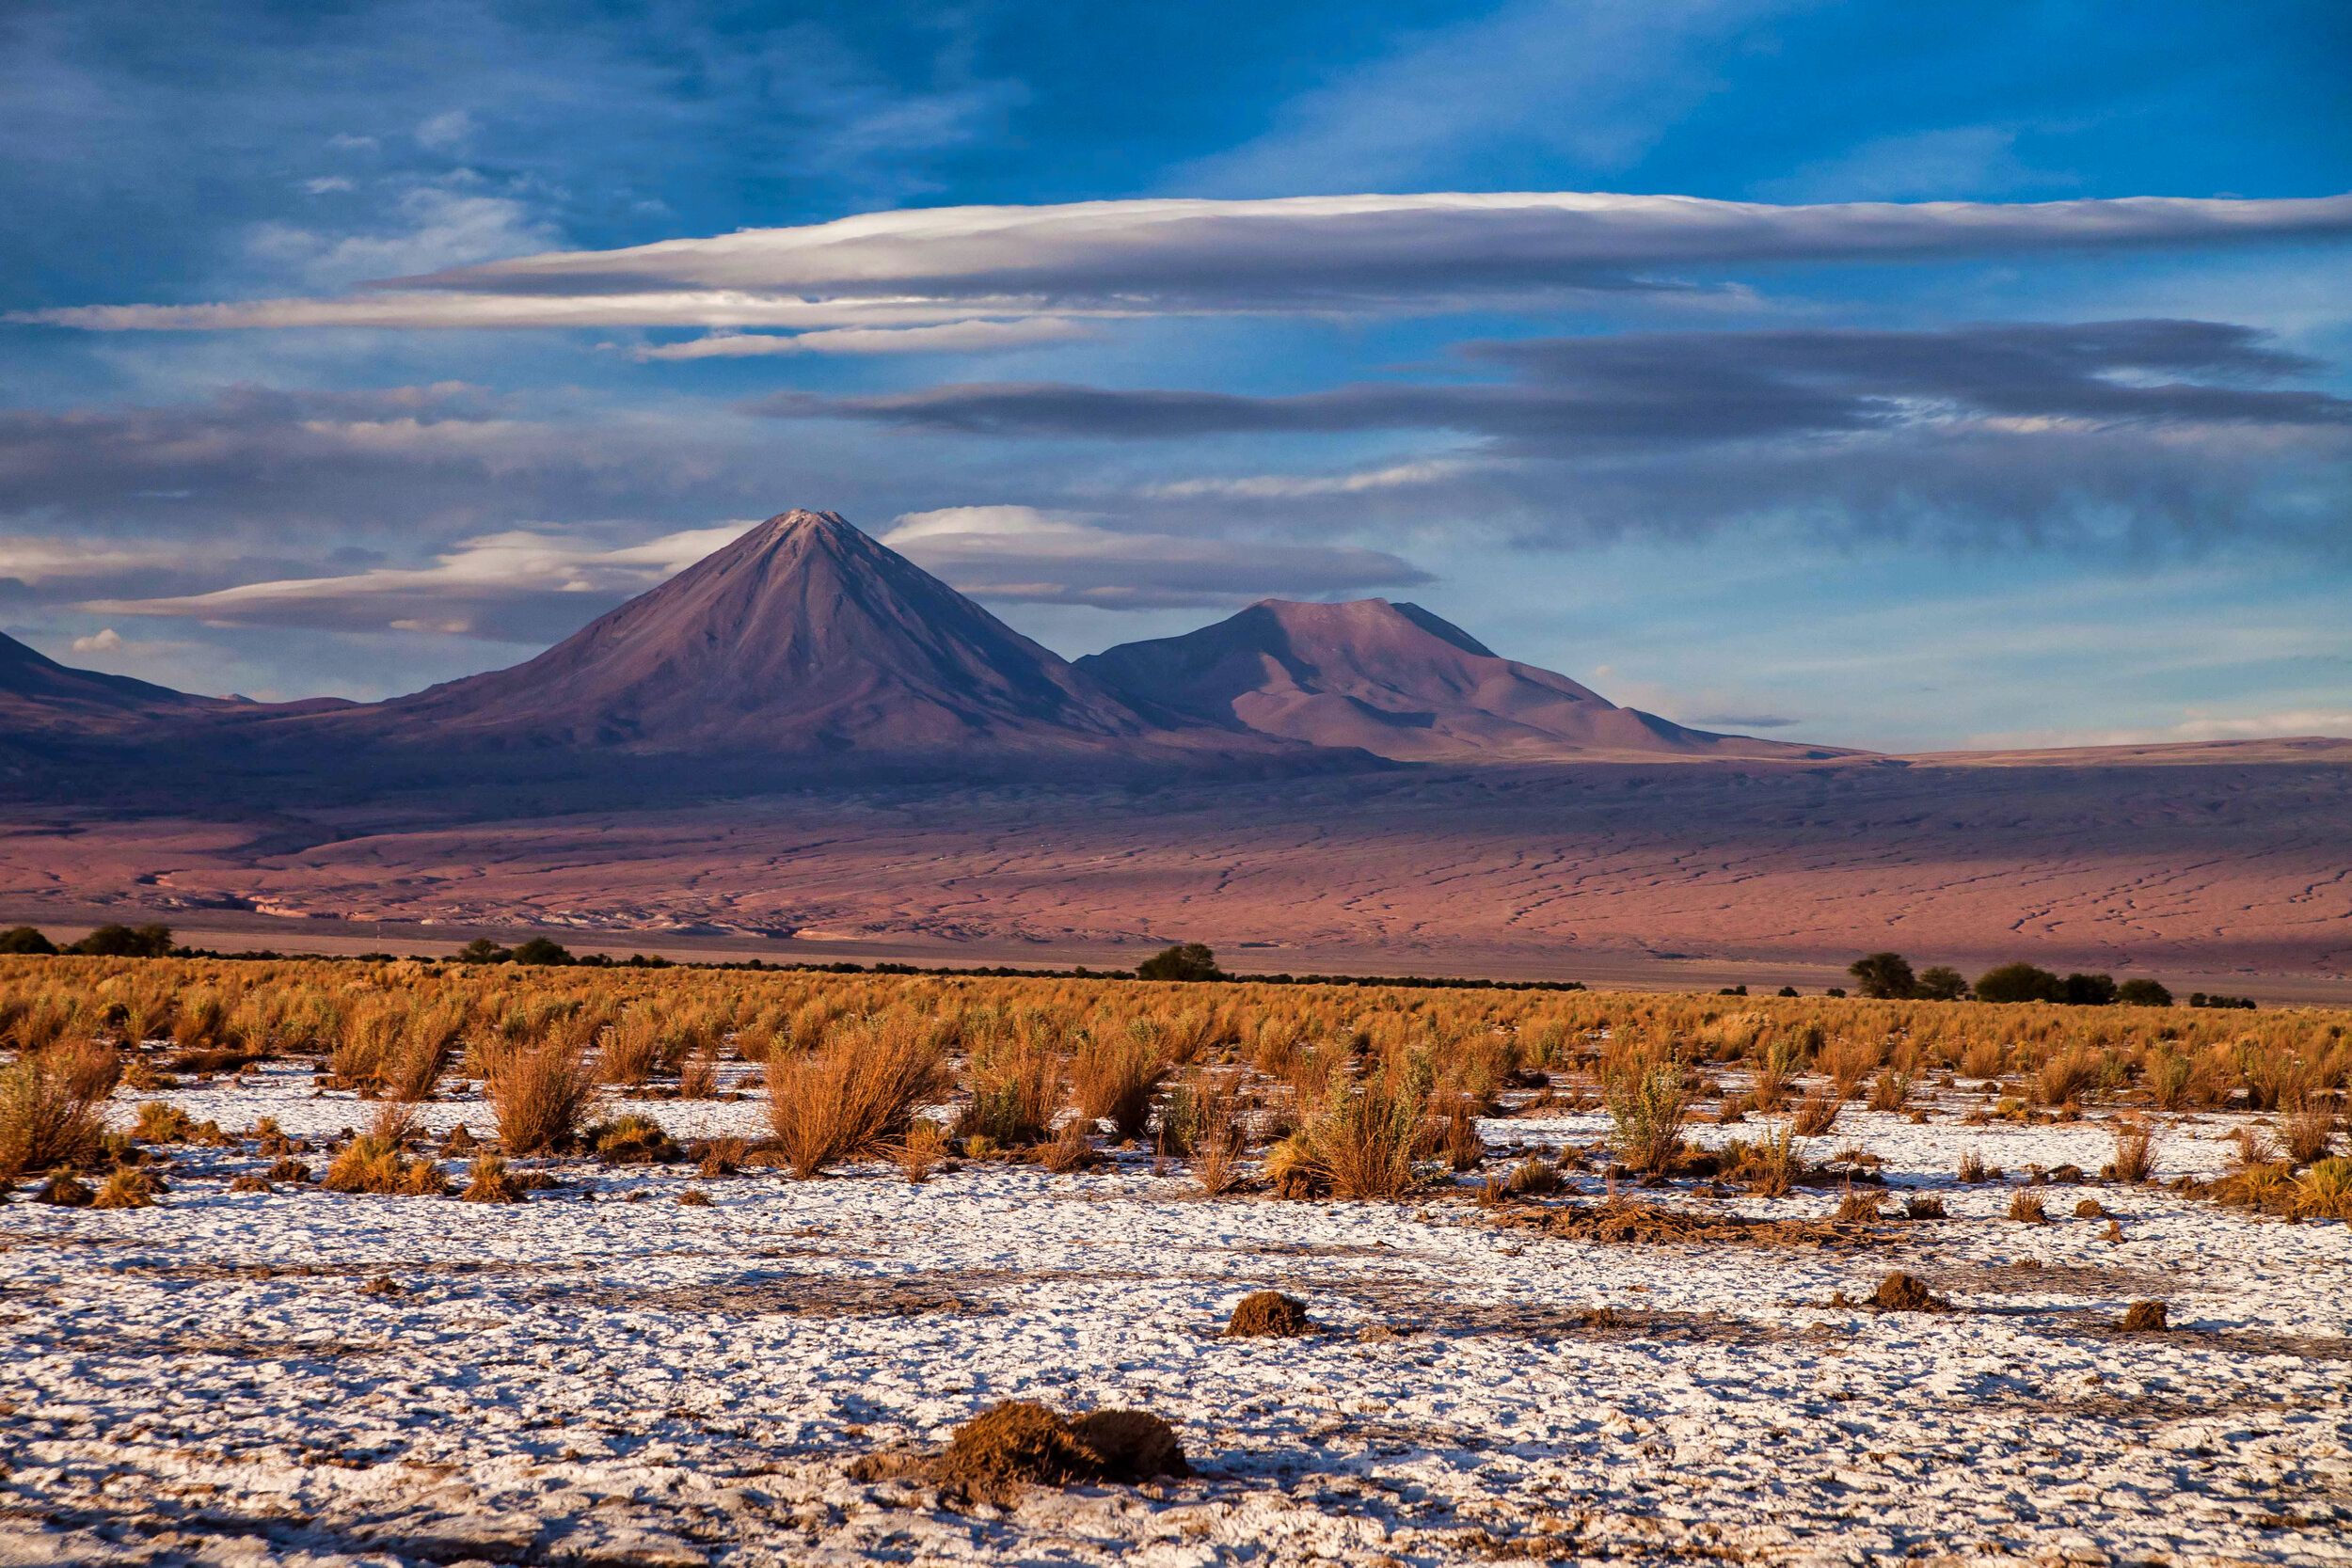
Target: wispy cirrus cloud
967	336
1344	253
518	586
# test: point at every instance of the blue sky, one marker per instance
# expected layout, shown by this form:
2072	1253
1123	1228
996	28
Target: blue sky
2048	465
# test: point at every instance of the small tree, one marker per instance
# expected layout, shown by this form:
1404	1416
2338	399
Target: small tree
2090	990
539	950
21	940
1885	977
482	950
2020	982
1186	961
1941	983
2143	993
123	941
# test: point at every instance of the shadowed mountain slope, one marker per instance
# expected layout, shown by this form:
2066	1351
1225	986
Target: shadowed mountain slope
39	697
803	637
1401	683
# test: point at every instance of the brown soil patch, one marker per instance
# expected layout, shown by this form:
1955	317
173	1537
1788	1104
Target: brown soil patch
1622	1223
1906	1292
2144	1317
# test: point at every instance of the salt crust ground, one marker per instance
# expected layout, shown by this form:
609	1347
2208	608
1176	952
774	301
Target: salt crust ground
586	1379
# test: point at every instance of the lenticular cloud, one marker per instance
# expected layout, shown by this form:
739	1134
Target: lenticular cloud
1186	256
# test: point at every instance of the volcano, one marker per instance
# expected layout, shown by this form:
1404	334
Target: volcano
1399	682
803	637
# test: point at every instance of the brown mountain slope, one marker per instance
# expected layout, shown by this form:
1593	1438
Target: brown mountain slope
1399	682
39	697
803	637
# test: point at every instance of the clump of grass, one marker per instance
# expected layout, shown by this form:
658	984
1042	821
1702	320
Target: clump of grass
538	1093
2145	1317
2134	1159
1016	1089
1071	1149
1771	1166
699	1078
1114	1080
2026	1206
376	1160
161	1123
490	1181
1857	1207
49	1108
1362	1143
633	1140
919	1152
1775	1069
63	1190
2090	1209
127	1189
1816	1114
2063	1078
2309	1131
1535	1177
1890	1091
2325	1191
1848	1062
1463	1148
1973	1168
426	1044
1924	1208
690	1198
288	1169
855	1093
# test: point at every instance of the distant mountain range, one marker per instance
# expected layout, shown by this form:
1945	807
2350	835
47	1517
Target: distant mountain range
806	640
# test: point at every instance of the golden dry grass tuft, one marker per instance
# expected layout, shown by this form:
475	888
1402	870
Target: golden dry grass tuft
539	1093
855	1093
50	1106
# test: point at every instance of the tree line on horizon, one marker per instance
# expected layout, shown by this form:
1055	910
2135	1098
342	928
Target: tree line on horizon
1888	977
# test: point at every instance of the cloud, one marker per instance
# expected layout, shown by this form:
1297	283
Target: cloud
967	336
1684	388
431	226
447	130
1948	162
1591	84
106	642
2265	726
1355	253
518	586
1022	554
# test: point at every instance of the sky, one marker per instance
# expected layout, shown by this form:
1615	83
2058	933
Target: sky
1898	376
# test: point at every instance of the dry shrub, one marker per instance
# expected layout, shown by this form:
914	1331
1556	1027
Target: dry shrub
1533	1177
2089	1209
1857	1207
2064	1078
1115	1080
1072	1148
1984	1059
1647	1107
1463	1148
2026	1206
1771	1167
489	1182
2135	1152
1923	1208
2273	1073
2310	1132
1363	1142
202	1027
1848	1062
49	1108
629	1052
289	1170
1890	1091
689	1198
2269	1186
2145	1317
538	1093
1816	1114
1972	1168
1016	1089
370	1035
1904	1293
699	1078
857	1092
1774	1070
1268	1313
2173	1080
920	1151
427	1042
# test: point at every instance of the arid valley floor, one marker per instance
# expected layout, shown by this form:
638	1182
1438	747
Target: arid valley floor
611	1372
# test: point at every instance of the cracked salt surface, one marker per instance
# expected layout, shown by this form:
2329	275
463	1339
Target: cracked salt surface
586	1379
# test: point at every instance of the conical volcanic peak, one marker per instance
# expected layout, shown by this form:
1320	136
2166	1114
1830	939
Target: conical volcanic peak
803	636
1394	680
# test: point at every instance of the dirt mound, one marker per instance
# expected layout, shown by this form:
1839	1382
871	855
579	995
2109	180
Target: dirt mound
1905	1292
1015	1443
1268	1312
1133	1445
1650	1222
2145	1317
